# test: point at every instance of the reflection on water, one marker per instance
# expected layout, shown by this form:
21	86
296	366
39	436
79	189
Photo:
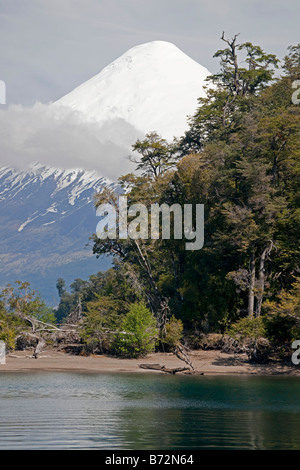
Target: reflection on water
155	412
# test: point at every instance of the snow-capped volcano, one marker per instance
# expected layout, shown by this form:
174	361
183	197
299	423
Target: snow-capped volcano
47	211
153	87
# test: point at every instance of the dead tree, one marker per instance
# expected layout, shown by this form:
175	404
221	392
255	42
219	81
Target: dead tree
39	347
182	353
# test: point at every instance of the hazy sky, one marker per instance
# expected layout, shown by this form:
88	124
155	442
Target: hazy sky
50	46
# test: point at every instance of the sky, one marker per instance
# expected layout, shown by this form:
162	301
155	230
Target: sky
48	47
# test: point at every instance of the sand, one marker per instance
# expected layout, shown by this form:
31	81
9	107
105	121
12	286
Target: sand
210	362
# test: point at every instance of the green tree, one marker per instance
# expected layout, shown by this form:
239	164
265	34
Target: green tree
251	333
27	313
24	303
230	93
157	155
61	286
9	327
250	151
287	304
100	324
138	332
172	334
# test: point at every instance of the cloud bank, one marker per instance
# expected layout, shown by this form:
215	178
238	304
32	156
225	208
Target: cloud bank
61	138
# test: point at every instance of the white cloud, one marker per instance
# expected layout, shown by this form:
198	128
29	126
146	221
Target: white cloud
62	139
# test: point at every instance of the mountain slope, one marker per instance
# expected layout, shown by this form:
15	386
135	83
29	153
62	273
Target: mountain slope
46	219
154	87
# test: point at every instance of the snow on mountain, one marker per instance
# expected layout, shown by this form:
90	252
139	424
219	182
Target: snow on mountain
68	185
153	86
46	219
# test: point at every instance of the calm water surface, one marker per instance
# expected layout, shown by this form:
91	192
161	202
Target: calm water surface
143	411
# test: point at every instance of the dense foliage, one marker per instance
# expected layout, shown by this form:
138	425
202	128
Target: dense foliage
240	158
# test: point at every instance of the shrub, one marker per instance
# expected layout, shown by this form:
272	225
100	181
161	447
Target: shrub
173	332
99	324
138	333
251	333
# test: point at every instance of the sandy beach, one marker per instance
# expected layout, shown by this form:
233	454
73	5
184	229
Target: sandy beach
207	362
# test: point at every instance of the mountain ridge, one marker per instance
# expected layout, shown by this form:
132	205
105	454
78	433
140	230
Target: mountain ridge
46	218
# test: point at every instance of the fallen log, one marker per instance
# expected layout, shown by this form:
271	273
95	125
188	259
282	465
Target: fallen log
151	366
174	371
163	368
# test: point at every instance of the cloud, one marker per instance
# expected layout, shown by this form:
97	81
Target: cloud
61	138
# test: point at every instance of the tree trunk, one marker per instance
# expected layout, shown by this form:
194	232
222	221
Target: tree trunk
251	296
40	346
261	283
262	278
182	354
145	265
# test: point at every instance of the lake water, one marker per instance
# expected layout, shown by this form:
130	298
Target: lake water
148	412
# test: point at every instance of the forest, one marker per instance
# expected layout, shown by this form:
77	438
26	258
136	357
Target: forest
241	290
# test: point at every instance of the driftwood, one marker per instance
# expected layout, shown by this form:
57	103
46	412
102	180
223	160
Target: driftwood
163	368
182	353
39	347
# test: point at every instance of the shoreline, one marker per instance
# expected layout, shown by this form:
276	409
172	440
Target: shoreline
205	362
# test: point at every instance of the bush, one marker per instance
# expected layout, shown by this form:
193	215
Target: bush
250	332
99	324
283	325
8	335
173	333
9	327
138	333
